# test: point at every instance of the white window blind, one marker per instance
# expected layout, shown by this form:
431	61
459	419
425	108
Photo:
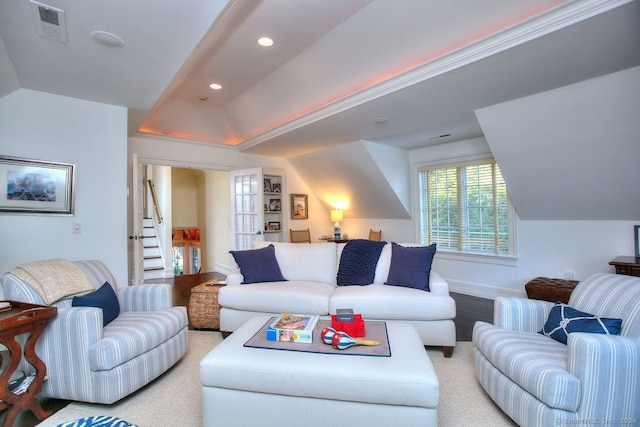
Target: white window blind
465	208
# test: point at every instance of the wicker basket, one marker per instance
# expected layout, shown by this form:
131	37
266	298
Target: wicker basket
204	310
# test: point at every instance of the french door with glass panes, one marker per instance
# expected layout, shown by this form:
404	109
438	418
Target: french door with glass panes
247	213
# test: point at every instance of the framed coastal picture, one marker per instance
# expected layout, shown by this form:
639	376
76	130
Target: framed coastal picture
299	206
636	229
36	186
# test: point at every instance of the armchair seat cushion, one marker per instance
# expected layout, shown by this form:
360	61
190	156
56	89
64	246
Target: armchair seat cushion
535	362
132	334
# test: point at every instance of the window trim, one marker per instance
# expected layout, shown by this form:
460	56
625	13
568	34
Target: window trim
509	259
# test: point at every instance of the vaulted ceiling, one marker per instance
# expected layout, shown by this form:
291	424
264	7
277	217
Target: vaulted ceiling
406	74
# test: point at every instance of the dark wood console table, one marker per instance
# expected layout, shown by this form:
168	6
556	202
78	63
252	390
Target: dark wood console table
629	265
23	318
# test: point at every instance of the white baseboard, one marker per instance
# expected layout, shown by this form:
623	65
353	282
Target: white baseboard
482	291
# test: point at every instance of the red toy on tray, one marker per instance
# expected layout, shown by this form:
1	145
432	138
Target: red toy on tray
355	328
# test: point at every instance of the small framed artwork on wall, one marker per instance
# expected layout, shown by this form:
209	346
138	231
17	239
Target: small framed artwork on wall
299	208
636	229
36	186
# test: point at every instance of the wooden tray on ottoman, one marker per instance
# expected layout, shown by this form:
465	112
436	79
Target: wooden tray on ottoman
204	310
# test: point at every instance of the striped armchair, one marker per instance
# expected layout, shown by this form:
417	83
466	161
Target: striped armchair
541	382
89	362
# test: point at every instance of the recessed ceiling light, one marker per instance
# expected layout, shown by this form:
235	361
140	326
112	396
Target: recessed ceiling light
381	120
107	39
216	86
265	41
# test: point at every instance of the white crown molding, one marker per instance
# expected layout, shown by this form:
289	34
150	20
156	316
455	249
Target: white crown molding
538	26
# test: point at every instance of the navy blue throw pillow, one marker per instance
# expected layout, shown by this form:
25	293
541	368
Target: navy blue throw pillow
358	262
563	320
411	266
104	298
258	265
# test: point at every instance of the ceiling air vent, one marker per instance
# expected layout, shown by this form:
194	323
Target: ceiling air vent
50	22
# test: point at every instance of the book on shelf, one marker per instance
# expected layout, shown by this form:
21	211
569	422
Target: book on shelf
293	328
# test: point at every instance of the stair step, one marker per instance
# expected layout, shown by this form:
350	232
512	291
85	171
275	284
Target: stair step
154	274
155	262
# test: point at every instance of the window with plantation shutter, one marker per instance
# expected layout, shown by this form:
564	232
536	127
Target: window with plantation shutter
465	208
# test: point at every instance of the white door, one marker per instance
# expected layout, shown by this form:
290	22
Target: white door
136	242
247	213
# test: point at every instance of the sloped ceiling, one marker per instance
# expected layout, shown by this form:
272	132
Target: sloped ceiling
348	174
572	153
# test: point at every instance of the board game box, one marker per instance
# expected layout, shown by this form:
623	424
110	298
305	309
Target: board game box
293	328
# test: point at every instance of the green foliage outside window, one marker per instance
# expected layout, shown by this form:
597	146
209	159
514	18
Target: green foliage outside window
465	208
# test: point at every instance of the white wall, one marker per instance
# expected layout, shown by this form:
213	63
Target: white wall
41	126
545	248
184	198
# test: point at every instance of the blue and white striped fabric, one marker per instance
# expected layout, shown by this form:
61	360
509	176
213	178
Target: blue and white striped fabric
540	382
88	362
98	421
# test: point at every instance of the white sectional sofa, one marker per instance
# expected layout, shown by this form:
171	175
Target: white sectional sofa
311	287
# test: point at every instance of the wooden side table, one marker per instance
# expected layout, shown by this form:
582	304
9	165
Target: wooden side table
23	318
629	265
204	310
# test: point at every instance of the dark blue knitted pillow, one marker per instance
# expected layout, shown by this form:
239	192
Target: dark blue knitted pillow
104	298
358	262
563	320
410	266
258	265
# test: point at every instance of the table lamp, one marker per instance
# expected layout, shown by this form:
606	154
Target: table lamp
336	217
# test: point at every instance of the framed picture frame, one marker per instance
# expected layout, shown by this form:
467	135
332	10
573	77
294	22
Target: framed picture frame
274	205
636	229
36	186
299	206
275	187
267	185
274	225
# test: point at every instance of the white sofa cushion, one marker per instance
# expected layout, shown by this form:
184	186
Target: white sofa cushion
393	303
277	297
310	262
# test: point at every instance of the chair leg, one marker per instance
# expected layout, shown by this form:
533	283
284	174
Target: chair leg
447	351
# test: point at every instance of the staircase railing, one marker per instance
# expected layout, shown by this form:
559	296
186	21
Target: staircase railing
155	201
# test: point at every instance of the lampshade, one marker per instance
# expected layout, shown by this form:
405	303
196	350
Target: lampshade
336	215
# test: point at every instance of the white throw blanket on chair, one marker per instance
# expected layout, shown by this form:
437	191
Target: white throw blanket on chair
54	279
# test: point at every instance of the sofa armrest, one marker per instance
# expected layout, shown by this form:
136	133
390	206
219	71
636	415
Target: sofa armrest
607	367
234	278
150	297
520	314
437	285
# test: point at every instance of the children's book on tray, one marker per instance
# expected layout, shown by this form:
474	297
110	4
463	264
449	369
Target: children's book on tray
293	328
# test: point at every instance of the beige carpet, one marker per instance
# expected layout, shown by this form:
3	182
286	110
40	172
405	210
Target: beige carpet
173	400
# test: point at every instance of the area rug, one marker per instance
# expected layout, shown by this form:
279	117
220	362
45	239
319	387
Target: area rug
174	399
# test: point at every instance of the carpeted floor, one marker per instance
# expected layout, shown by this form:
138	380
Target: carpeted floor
173	400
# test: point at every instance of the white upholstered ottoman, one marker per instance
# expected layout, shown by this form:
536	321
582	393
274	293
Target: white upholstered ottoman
247	386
